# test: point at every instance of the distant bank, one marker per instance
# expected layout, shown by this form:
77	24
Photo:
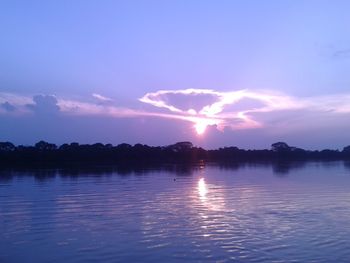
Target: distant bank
48	154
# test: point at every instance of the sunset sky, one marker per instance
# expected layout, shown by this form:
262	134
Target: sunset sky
217	73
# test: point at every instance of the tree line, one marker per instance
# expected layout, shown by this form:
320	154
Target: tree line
44	153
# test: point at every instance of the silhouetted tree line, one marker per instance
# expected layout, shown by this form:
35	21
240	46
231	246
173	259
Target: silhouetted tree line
44	153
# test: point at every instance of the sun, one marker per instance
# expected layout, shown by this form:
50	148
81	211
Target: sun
200	127
201	124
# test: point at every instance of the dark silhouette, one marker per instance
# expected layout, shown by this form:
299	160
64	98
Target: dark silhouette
49	155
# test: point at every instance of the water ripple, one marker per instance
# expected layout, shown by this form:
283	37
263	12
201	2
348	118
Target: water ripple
215	215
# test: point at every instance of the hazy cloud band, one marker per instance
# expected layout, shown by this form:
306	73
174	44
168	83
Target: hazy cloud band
241	109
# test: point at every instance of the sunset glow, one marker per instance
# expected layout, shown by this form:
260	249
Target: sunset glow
200	127
164	72
220	112
175	131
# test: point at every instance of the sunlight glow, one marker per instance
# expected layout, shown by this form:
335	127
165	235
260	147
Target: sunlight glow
221	111
216	113
200	127
202	188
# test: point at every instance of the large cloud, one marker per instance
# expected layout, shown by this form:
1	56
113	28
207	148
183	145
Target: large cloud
241	109
44	105
216	111
246	109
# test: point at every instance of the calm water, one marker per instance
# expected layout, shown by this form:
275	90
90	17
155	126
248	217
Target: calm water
253	213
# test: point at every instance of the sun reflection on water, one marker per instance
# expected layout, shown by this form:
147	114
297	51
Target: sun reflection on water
210	197
202	189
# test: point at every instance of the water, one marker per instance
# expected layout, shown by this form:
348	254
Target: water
248	213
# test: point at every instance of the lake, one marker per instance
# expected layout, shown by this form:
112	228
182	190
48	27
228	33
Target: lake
206	213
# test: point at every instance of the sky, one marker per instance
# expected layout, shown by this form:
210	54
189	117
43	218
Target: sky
217	73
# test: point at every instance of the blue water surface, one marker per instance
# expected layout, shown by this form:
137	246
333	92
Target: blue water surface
204	213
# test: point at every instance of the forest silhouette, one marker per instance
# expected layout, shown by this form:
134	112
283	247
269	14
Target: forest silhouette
48	154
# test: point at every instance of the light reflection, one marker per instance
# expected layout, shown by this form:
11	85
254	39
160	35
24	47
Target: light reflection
210	196
209	204
202	189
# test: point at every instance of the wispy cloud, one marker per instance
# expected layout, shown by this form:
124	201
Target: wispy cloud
341	53
7	106
221	114
217	111
101	98
241	109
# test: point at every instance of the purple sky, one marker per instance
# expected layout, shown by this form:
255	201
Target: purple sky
217	73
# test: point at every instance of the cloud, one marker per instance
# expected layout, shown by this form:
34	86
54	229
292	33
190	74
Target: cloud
190	100
215	112
223	111
15	99
44	104
240	109
14	103
101	98
342	53
7	106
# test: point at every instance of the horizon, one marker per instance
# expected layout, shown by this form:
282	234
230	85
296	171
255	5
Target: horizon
215	74
174	143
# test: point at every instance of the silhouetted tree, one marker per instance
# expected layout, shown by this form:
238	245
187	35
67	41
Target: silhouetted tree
45	146
346	150
280	147
44	153
181	146
7	147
